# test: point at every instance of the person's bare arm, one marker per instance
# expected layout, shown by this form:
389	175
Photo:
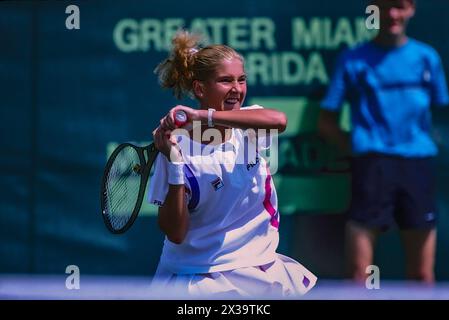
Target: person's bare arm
173	216
254	118
329	129
243	119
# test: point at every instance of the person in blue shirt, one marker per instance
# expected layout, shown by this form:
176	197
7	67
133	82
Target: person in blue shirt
390	83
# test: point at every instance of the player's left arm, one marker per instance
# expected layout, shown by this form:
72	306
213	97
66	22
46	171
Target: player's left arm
438	85
244	119
439	99
260	118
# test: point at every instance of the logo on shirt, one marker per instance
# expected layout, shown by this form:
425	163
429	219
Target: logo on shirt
430	216
158	203
217	184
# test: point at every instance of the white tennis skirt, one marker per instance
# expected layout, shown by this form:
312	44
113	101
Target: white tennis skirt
280	279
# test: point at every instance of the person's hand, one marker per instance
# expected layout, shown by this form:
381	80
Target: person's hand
166	143
168	122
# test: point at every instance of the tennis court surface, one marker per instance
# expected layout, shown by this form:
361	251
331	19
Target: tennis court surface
53	287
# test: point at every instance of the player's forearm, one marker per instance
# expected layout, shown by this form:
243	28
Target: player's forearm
244	119
329	129
173	216
339	138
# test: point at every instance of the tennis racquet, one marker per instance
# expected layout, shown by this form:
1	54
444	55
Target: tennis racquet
124	181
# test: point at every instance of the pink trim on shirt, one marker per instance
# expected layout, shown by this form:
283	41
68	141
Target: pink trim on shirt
267	201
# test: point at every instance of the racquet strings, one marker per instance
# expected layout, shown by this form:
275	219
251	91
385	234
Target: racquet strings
122	187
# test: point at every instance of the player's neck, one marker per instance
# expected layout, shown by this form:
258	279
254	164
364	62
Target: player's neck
390	40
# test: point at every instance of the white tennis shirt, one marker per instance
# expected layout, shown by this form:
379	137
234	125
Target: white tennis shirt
232	204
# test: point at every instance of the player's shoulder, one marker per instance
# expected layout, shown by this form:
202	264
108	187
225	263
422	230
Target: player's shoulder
359	50
355	53
422	48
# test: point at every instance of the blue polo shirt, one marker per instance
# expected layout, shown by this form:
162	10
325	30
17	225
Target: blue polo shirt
390	91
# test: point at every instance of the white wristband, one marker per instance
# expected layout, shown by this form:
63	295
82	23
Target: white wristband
176	173
210	122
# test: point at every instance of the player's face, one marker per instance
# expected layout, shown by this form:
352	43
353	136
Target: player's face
394	15
227	89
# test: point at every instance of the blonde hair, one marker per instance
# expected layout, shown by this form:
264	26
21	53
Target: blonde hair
187	62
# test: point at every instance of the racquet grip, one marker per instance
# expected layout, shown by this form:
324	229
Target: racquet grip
180	118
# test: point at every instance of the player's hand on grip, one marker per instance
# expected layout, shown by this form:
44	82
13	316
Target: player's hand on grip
166	143
179	117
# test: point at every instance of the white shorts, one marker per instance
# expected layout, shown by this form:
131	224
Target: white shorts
282	278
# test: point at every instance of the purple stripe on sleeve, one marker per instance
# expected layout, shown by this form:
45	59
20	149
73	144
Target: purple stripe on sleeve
193	203
267	201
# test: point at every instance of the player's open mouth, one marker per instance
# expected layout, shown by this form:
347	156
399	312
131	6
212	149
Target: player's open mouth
231	101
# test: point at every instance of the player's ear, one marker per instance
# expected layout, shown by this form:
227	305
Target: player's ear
198	88
412	8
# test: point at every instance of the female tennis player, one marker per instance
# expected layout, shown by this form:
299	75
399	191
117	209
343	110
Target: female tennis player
217	201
